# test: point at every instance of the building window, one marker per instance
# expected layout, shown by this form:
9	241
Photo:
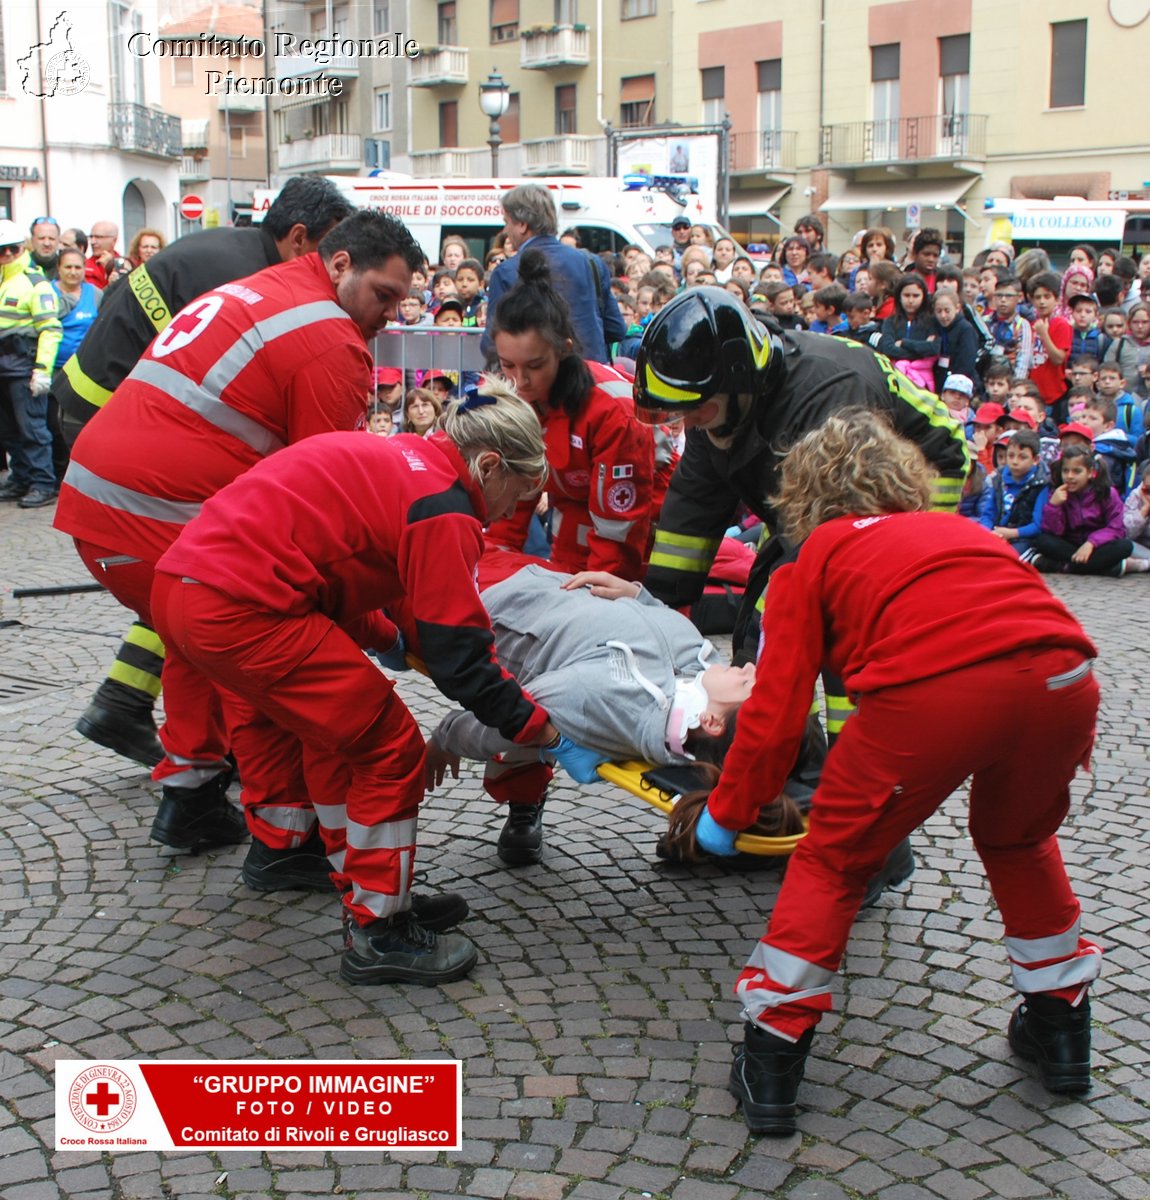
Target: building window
714	86
504	20
383	108
183	72
565	115
637	101
1067	64
637	8
449	123
884	72
566	12
509	122
447	28
380	18
769	83
954	95
237	142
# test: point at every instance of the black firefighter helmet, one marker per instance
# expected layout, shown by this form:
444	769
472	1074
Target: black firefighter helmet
702	345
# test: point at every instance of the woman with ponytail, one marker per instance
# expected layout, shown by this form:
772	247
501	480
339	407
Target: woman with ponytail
601	459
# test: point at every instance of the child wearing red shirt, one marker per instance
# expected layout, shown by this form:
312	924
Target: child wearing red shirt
1052	339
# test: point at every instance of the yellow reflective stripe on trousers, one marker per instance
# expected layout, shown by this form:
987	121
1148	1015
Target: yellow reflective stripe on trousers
85	388
133	677
146	639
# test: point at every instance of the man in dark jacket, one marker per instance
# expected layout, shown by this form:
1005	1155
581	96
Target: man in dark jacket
579	277
131	315
744	390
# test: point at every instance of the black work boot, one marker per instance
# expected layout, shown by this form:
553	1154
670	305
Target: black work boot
198	818
302	868
120	719
1055	1036
898	868
437	913
521	839
399	949
765	1078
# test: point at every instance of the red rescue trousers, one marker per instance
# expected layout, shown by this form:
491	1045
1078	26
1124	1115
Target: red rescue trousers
1021	725
362	750
202	722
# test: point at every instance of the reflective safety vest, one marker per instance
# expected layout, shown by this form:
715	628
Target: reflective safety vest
30	329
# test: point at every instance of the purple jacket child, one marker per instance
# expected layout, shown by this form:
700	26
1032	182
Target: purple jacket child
1083	517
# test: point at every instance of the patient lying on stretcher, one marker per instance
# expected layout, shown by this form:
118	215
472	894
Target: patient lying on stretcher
620	673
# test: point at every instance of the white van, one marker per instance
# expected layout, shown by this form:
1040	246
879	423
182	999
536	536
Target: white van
608	213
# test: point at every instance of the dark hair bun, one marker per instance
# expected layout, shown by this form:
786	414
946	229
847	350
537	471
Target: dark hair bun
534	268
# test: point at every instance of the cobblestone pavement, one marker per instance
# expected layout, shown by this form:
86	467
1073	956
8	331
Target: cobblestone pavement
596	1030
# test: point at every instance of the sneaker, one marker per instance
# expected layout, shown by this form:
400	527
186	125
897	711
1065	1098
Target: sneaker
521	839
399	949
37	497
131	735
196	819
1045	564
302	868
11	490
1055	1036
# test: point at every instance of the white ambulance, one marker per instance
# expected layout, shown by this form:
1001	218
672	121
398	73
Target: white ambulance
608	213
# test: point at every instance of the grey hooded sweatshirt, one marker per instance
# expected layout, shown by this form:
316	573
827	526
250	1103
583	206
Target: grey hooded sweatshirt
605	670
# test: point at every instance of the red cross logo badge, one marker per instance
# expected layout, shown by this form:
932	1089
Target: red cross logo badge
187	325
102	1098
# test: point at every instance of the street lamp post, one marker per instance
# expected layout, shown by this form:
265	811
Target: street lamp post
494	97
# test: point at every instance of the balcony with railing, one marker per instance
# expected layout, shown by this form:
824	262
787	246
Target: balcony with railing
141	130
449	164
771	150
336	152
554	46
195	170
569	154
904	139
439	66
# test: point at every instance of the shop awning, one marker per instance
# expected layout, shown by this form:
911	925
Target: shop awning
757	203
929	193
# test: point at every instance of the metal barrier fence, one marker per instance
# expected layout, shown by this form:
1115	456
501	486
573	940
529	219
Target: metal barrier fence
424	347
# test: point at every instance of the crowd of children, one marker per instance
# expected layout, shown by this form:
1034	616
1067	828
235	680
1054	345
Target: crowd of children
1033	362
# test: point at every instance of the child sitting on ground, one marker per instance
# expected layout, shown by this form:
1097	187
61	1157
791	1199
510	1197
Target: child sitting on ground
1015	496
1082	527
997	377
1136	515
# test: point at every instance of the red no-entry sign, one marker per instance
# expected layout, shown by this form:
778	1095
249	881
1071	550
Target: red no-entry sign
191	208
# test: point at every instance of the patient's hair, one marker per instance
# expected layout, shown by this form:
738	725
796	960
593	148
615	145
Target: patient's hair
782	817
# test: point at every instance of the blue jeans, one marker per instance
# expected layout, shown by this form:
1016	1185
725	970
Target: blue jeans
24	433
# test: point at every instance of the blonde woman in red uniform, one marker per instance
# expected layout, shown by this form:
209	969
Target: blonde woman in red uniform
916	612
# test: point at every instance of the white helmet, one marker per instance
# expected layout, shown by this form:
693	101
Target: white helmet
11	234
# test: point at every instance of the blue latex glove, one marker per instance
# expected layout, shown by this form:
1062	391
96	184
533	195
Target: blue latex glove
579	762
713	838
394	658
